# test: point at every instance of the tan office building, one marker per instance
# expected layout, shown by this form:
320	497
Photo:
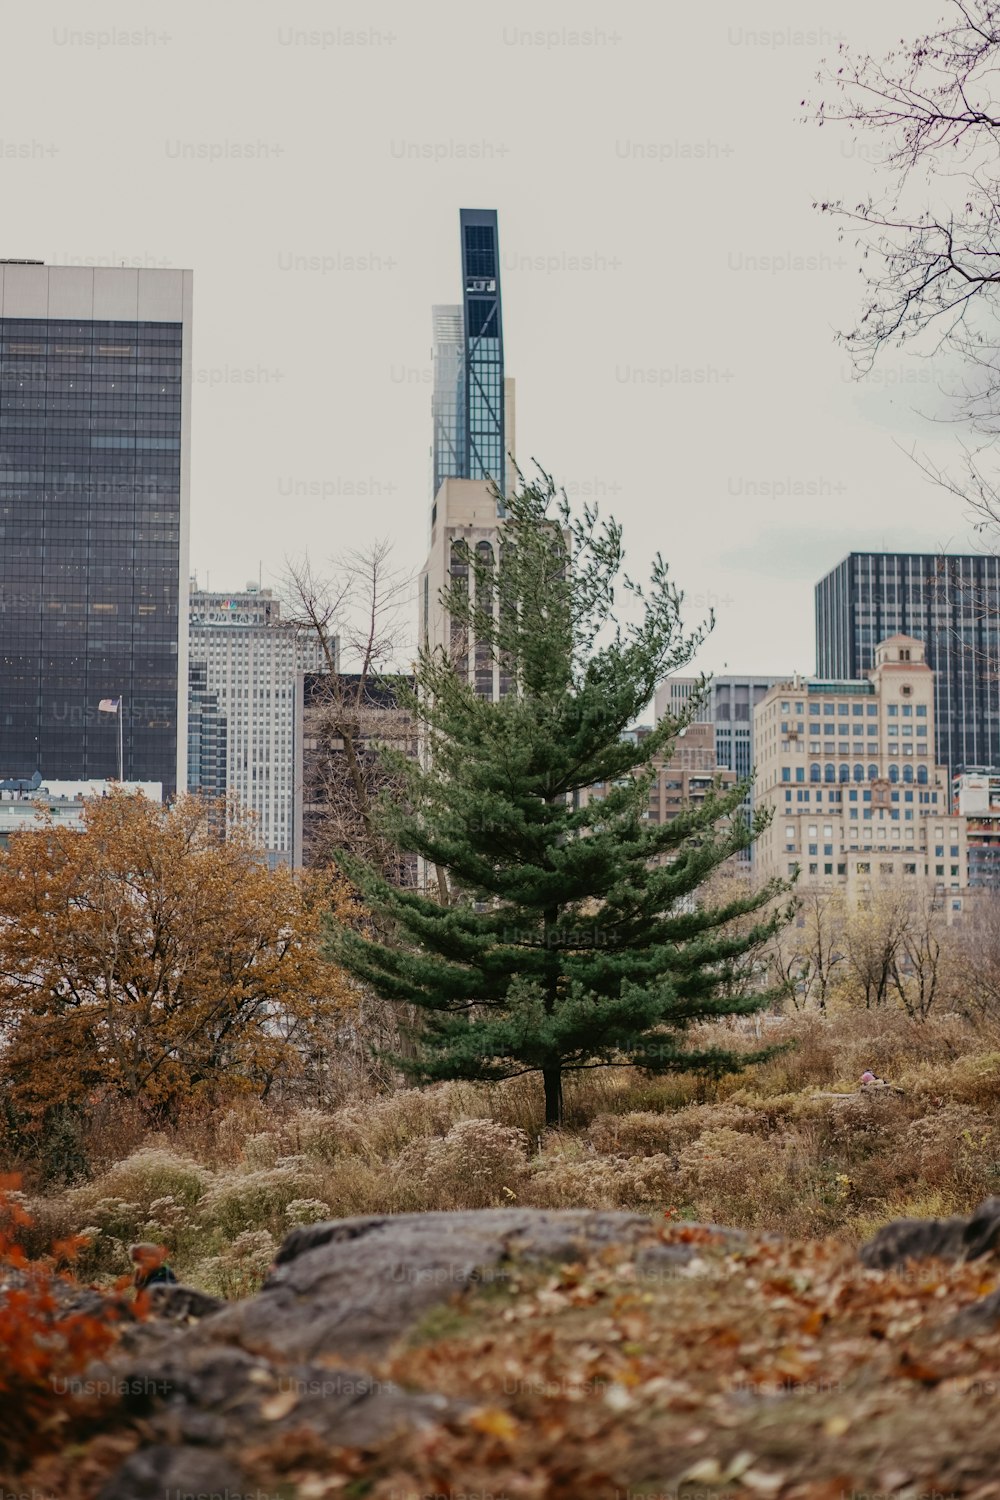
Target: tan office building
847	769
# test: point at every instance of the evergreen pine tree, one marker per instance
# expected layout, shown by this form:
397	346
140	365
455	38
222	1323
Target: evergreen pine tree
567	932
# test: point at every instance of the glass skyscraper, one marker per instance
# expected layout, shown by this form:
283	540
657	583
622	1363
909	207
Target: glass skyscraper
448	399
94	440
468	400
952	604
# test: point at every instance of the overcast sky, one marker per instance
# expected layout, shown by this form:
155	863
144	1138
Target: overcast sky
670	296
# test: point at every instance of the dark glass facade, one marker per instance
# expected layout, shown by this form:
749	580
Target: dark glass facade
468	399
90	516
951	604
484	416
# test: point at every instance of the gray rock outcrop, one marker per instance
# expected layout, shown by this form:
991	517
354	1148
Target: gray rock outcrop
953	1239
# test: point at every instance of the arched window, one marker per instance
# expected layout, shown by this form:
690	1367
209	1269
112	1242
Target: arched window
829	772
921	775
859	773
907	772
873	773
845	772
893	773
814	772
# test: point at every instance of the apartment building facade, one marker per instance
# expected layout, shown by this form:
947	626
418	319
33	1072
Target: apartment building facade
848	771
248	663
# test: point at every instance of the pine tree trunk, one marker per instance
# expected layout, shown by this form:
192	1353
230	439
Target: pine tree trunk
552	1078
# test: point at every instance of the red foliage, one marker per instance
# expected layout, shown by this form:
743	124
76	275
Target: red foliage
46	1344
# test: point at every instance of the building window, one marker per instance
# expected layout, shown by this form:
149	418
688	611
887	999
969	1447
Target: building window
873	773
814	772
829	772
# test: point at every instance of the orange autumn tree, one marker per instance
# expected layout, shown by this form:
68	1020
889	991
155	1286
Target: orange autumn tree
152	957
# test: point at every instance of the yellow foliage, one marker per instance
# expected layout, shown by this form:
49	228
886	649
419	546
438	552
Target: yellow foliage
149	956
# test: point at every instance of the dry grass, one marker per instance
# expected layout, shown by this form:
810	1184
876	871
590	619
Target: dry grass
766	1149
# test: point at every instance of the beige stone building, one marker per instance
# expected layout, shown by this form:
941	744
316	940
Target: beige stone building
847	769
464	522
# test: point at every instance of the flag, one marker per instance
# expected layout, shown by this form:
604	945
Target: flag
108	705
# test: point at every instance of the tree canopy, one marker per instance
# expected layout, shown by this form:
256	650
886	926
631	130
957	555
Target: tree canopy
565	930
152	956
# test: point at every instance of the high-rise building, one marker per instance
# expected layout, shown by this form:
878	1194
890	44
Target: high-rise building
465	522
253	663
727	705
952	604
208	772
847	769
330	807
975	797
472	399
448	397
473	413
94	463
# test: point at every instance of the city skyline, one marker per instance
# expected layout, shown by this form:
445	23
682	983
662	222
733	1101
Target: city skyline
310	426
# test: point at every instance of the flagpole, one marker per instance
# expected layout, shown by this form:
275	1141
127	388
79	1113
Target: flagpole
121	716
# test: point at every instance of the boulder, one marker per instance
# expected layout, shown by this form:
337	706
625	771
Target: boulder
952	1239
354	1285
165	1471
202	1380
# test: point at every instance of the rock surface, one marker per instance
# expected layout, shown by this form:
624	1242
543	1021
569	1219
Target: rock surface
355	1284
211	1391
166	1470
203	1378
952	1239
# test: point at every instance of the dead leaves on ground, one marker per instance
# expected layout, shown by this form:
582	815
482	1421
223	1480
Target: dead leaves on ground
782	1372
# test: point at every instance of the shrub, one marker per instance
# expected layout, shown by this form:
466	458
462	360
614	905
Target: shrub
478	1164
239	1269
563	1182
956	1145
142	1178
45	1343
240	1201
306	1211
639	1134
